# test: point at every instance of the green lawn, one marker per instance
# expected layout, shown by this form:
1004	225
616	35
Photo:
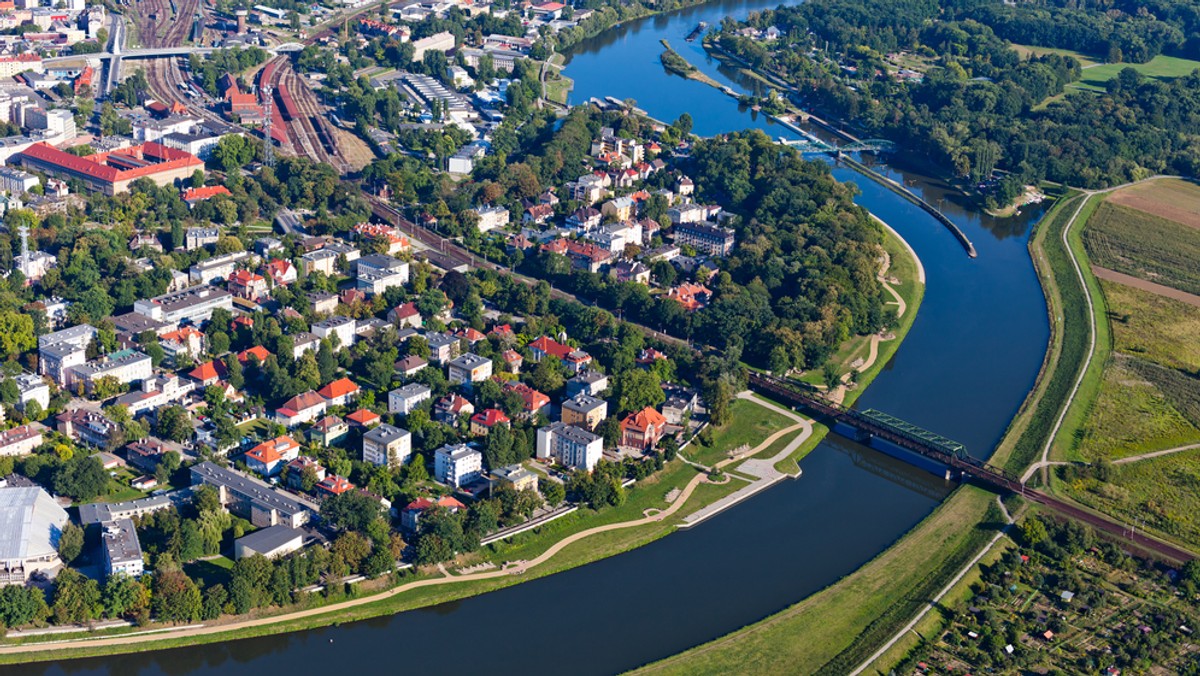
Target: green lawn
1160	67
1027	51
212	571
751	424
1162	330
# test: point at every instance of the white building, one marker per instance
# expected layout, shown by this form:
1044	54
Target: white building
122	549
194	305
492	217
468	368
219	268
571	446
377	273
16	181
457	465
439	42
342	327
386	445
404	399
32	387
60	352
126	366
31	523
21	440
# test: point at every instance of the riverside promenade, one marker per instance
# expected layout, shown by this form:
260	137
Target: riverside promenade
762	469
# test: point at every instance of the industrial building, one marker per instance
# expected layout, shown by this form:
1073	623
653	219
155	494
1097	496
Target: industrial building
112	172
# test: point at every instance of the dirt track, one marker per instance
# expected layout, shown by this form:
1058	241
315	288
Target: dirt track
1138	283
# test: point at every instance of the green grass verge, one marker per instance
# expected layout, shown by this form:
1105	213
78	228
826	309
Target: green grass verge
751	425
836	629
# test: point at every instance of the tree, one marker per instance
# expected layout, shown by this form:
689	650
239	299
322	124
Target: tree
70	543
1033	531
82	478
16	334
552	491
352	548
22	605
350	511
176	598
125	596
174	423
637	389
547	375
215	598
76	598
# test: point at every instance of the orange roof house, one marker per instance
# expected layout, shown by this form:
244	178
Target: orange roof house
339	392
363	418
302	408
691	296
334	485
534	401
257	352
485	420
269	457
208	373
643	429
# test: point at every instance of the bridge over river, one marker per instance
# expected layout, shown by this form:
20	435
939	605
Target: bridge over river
953	456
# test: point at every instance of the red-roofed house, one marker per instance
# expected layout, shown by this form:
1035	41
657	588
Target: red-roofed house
549	11
411	515
328	430
538	214
451	409
302	408
691	296
512	361
188	340
643	429
405	315
504	332
208	373
485	420
257	352
574	359
363	418
333	485
281	272
207	192
269	457
248	285
535	402
339	392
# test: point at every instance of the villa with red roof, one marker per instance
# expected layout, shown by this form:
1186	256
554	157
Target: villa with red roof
488	418
535	402
339	392
112	172
405	316
281	272
363	418
691	296
269	457
333	485
207	192
248	285
643	429
411	515
575	359
257	352
302	408
208	373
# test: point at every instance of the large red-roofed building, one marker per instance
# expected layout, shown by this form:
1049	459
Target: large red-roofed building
112	172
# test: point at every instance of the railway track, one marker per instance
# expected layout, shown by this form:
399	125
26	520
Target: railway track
171	18
305	131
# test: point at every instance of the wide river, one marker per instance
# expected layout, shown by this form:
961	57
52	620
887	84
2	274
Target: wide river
964	369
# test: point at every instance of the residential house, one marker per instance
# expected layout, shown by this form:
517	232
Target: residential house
591	383
32	388
187	341
269	457
304	342
208	373
405	316
442	347
194	238
333	485
492	217
631	271
377	273
516	476
485	420
323	303
145	454
691	296
363	419
122	549
452	408
300	409
573	358
339	392
620	208
585	220
512	361
297	469
538	214
86	426
387	446
643	429
706	237
21	440
328	430
321	260
410	365
252	499
457	465
534	402
281	272
404	400
411	514
570	446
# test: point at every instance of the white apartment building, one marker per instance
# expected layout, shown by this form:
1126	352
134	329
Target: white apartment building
195	305
492	217
571	446
342	327
468	368
387	445
457	465
403	400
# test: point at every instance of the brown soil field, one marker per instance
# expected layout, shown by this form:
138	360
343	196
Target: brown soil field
1151	287
1173	200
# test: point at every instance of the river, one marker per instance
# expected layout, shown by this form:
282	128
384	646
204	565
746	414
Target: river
966	365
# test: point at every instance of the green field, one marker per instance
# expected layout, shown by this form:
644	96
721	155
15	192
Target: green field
1161	330
1145	246
1160	67
1027	51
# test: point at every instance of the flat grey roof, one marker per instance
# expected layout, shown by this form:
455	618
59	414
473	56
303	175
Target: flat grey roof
270	539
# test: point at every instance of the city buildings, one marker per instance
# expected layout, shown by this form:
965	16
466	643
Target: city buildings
404	399
387	446
571	446
457	465
122	549
112	172
252	499
30	525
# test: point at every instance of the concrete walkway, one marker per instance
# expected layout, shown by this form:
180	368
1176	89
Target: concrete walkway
761	469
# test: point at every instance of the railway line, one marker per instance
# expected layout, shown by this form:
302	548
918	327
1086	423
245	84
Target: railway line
298	119
163	23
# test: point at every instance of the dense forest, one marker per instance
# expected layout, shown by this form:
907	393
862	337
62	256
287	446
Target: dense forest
980	106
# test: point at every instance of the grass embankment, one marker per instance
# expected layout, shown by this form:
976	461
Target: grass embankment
1030	428
751	424
834	630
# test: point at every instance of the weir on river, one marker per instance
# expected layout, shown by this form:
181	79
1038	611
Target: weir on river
963	370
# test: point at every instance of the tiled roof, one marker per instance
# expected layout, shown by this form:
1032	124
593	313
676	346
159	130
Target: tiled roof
338	388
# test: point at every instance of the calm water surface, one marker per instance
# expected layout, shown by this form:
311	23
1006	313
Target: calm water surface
963	371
